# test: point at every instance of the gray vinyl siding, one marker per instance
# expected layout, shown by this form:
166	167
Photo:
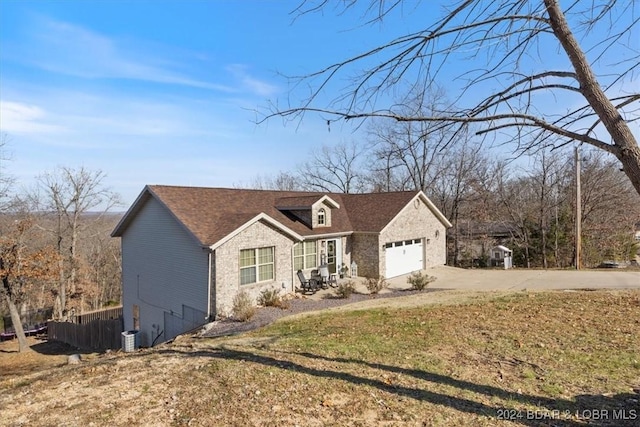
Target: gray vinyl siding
164	269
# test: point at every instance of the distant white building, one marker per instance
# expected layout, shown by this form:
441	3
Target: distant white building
501	256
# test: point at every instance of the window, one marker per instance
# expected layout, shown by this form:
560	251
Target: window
321	217
256	265
305	255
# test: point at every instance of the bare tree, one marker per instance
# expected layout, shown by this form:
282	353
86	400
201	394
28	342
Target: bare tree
457	183
71	193
284	181
333	169
408	154
537	204
580	95
517	198
548	173
384	174
20	265
105	261
610	209
6	180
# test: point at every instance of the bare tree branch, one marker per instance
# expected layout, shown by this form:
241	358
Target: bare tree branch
514	39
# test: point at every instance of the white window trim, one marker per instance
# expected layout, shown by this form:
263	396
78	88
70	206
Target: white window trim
305	254
257	265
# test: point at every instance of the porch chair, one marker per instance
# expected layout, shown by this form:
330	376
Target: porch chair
327	278
308	285
315	275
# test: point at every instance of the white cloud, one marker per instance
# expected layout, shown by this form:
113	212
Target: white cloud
250	83
136	133
109	118
22	118
72	50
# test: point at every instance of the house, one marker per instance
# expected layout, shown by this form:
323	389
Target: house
187	251
470	243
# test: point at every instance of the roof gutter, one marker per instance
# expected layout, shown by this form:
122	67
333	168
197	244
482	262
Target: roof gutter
328	235
264	217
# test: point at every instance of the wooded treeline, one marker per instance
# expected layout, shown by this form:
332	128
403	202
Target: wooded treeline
526	202
530	77
89	280
55	245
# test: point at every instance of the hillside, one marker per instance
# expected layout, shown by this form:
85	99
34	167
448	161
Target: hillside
544	358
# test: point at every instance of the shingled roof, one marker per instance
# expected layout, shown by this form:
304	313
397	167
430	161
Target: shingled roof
212	214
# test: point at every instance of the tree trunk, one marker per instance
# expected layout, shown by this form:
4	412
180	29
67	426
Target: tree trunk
543	243
542	213
630	159
13	310
556	251
61	298
62	291
625	147
526	248
23	345
72	254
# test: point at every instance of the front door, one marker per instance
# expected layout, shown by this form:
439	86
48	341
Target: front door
331	256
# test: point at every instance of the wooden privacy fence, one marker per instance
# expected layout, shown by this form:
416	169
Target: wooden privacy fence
102	314
94	335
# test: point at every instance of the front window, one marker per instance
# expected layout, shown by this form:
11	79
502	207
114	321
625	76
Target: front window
305	255
321	217
256	265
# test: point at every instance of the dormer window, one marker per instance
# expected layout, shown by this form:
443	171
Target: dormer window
321	217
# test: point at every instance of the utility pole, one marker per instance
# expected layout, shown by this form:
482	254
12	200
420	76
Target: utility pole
578	210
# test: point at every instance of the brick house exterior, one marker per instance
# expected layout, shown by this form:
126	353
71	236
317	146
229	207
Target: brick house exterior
187	251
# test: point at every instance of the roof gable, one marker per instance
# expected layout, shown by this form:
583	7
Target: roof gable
422	198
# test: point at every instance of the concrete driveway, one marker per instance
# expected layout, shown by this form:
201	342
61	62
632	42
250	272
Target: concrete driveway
479	281
517	279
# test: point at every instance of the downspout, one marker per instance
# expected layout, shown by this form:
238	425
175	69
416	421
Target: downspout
294	274
209	287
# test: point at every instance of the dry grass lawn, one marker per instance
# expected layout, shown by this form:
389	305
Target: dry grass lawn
547	358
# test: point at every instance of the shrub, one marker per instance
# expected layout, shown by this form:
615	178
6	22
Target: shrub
375	285
243	308
419	281
272	298
345	289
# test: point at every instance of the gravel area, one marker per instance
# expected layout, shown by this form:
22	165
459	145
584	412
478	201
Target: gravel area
266	315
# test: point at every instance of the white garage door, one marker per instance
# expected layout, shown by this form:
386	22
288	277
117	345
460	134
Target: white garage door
403	257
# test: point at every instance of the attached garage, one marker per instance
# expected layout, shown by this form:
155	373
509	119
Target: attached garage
403	257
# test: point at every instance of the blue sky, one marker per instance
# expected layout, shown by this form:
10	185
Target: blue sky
165	91
157	92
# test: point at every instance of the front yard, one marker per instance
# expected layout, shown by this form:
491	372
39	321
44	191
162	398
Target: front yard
546	358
